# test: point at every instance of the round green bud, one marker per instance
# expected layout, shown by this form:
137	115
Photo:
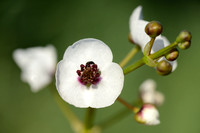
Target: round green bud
184	45
153	29
164	68
173	55
184	36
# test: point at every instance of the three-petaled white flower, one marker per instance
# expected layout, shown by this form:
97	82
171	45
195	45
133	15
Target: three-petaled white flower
37	64
148	115
87	77
148	94
138	35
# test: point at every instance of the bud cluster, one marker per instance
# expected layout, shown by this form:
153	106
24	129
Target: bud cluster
154	29
184	40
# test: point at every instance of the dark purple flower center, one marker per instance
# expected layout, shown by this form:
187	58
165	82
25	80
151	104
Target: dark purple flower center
89	73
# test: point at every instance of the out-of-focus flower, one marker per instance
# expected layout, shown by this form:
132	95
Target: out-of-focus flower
148	115
87	77
148	94
139	37
37	64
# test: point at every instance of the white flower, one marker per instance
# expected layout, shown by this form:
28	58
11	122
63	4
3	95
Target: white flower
148	115
37	64
148	93
137	31
87	77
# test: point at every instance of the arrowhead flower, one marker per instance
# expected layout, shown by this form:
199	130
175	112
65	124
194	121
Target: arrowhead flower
87	77
148	115
149	94
37	64
139	37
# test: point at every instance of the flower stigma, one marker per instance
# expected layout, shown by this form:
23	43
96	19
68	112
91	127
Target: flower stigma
89	74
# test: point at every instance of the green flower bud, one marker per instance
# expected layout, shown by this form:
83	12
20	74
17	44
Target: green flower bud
153	29
184	36
164	67
184	45
173	55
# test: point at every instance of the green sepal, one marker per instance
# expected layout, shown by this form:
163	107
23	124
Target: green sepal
149	62
147	49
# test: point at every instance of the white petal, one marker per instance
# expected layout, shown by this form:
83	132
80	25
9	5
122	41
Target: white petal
68	86
136	14
148	85
138	34
159	43
109	88
148	97
159	98
36	77
174	65
150	115
37	65
149	94
89	49
147	90
137	26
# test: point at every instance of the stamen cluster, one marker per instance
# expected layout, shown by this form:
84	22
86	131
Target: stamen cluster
89	73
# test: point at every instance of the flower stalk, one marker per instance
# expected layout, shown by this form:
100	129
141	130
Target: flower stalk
153	56
129	106
114	119
90	113
129	56
148	47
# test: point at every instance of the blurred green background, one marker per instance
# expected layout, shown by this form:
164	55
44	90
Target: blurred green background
26	23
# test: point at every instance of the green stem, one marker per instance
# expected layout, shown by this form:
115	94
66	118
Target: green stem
129	106
75	123
134	66
89	120
154	56
148	47
129	56
163	51
114	119
118	116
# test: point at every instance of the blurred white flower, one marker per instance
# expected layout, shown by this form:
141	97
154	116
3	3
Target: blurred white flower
37	64
87	77
139	37
148	115
148	93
